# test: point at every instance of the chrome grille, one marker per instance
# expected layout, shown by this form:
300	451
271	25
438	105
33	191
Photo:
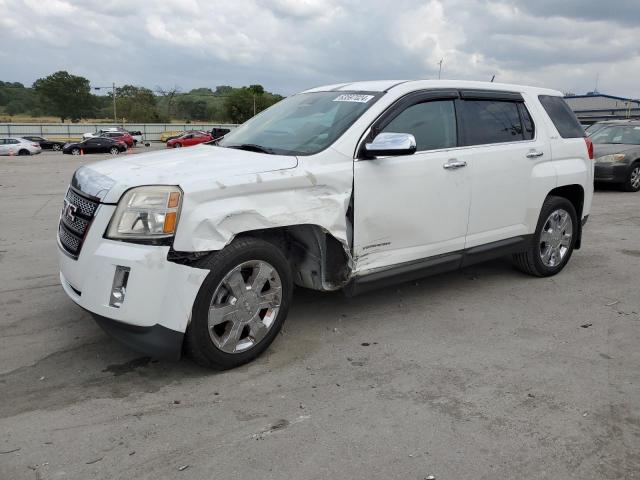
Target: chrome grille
75	220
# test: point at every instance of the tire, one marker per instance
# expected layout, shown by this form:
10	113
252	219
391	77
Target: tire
537	260
114	151
177	145
75	151
24	152
633	179
56	147
255	323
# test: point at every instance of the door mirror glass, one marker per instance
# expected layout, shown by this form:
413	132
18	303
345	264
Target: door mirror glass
391	144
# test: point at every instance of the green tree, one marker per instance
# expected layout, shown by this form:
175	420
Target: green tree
240	105
65	95
136	104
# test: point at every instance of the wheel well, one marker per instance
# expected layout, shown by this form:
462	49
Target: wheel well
575	194
318	260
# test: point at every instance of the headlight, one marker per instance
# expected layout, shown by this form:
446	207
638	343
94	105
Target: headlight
616	157
146	213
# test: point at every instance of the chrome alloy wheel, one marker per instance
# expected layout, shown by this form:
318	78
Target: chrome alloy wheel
555	238
634	179
244	306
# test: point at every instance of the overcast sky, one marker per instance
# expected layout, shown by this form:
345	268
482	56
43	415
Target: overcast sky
290	45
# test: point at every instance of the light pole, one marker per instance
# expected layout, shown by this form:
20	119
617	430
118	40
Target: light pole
113	89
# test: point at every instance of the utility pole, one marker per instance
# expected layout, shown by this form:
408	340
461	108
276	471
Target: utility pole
115	118
113	92
440	68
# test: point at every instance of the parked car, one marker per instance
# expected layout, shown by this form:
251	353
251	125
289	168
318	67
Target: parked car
595	127
218	132
137	136
95	145
617	153
189	139
44	143
169	134
102	131
200	132
18	146
124	137
349	187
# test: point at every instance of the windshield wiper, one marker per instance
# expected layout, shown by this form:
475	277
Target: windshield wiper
252	147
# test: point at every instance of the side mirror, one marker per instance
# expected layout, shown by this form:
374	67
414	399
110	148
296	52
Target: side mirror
391	144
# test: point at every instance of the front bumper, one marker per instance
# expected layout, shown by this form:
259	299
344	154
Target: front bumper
611	172
159	294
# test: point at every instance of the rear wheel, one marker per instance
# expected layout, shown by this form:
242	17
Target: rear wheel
633	180
241	305
553	240
24	152
177	145
114	151
56	147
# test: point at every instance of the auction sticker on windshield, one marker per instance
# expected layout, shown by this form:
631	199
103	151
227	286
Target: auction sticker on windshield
350	97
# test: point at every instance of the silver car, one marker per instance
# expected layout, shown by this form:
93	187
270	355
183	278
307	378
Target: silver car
18	146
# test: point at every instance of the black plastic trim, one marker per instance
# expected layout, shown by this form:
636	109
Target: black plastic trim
491	95
435	265
156	341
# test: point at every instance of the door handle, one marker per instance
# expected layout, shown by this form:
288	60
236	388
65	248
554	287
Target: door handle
453	164
534	154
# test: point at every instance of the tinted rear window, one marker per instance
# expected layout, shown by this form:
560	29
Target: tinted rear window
492	121
562	116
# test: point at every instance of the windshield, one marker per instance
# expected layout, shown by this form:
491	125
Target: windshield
303	124
625	134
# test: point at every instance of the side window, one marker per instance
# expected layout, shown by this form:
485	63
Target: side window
433	124
562	116
491	121
528	128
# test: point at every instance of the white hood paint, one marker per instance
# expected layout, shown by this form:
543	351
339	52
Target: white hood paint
184	165
229	191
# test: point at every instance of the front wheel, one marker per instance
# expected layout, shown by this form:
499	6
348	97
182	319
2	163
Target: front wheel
633	180
241	305
75	151
177	145
553	240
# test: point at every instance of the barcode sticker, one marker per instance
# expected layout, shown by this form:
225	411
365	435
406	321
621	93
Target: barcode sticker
351	97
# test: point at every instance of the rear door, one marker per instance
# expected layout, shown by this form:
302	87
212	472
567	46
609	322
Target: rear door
510	164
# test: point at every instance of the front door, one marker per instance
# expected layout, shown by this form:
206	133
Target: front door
416	206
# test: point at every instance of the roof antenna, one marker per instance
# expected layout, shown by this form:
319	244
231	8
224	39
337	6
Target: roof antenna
492	78
440	69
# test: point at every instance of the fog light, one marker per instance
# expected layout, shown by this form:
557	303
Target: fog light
119	287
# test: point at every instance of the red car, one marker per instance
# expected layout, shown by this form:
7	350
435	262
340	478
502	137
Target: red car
189	139
124	137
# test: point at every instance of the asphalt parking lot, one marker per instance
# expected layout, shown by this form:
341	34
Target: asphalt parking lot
480	374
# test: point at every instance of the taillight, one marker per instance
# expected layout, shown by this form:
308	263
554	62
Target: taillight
589	143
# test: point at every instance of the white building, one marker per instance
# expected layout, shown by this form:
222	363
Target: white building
595	106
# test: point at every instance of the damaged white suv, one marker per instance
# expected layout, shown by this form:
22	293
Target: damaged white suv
350	186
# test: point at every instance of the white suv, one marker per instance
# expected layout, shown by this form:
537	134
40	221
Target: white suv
350	186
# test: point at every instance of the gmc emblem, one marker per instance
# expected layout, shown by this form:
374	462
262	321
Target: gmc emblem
69	210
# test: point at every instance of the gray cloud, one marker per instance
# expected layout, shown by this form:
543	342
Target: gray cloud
289	45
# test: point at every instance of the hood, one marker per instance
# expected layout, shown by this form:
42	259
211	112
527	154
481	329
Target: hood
107	180
600	149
